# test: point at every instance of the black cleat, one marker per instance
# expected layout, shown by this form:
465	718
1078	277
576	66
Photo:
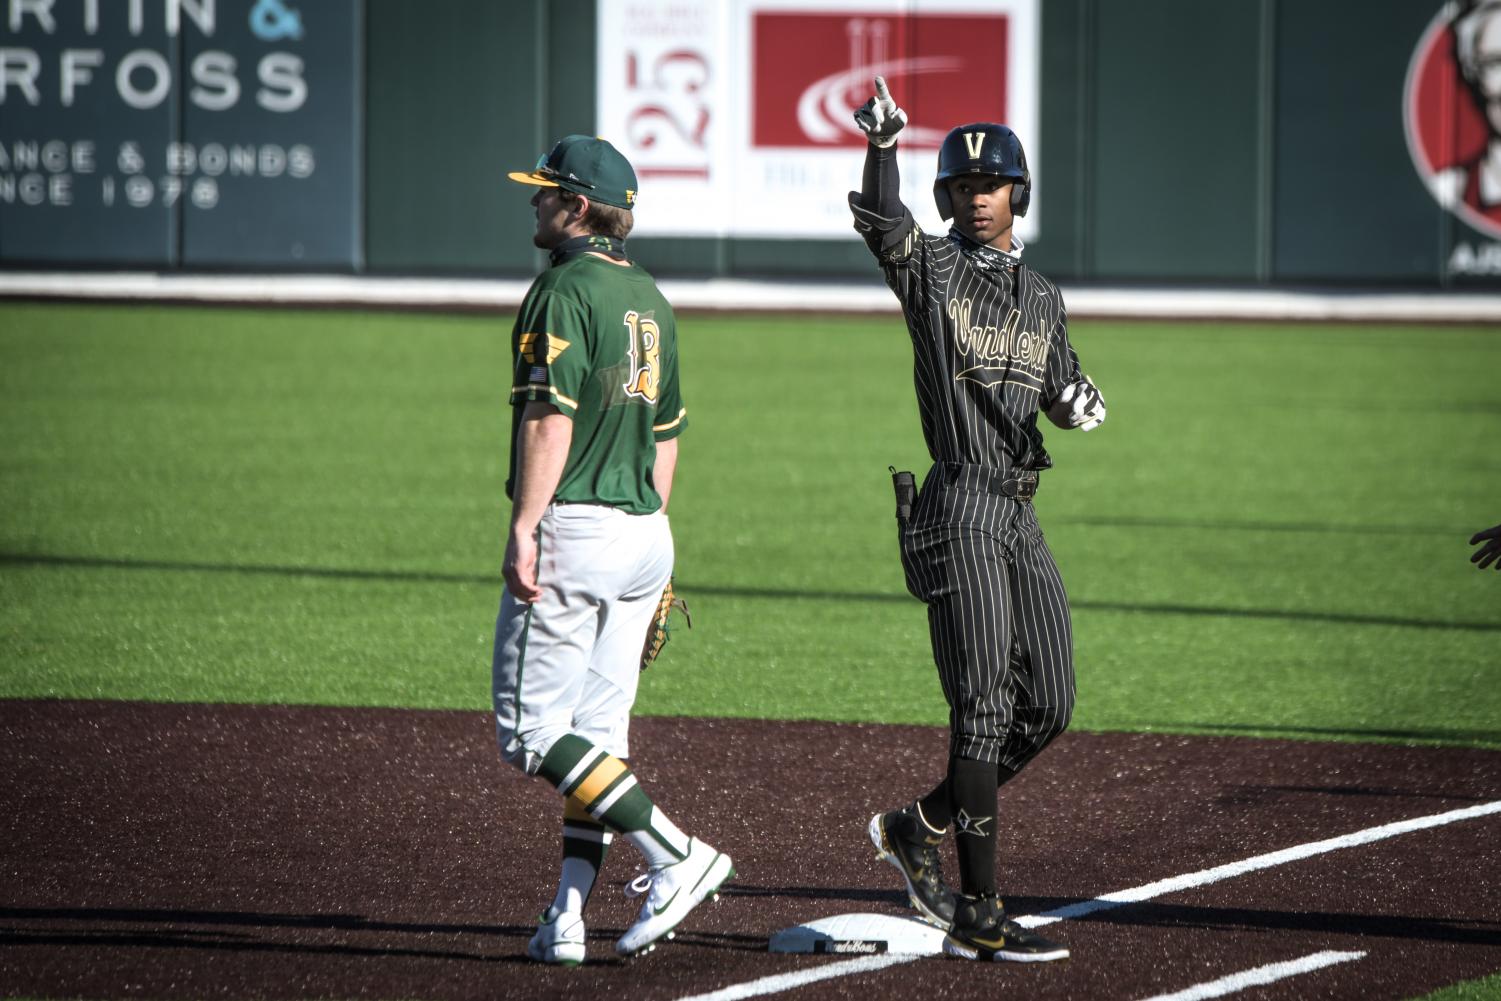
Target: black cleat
982	931
906	842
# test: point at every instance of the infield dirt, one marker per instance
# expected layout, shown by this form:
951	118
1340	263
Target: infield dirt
190	851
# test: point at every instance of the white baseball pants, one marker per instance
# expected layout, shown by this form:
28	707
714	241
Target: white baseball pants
570	663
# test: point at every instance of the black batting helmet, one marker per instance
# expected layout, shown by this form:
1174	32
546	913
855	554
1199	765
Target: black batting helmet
983	148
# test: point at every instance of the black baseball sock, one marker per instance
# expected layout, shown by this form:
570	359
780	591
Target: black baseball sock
935	807
972	787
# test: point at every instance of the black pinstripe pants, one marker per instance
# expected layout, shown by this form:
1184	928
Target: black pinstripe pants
997	616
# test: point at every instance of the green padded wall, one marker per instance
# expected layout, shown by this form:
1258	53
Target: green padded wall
1349	205
1063	180
453	104
1176	143
1235	141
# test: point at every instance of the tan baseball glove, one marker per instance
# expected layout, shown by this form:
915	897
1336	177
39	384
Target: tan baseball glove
659	630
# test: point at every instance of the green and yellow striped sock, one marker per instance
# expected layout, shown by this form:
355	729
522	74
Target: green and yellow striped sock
608	791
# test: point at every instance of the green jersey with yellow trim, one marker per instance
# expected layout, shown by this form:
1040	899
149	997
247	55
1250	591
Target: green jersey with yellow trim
598	340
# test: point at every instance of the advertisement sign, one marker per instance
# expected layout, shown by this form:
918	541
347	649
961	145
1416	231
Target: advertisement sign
739	116
664	101
196	132
1452	112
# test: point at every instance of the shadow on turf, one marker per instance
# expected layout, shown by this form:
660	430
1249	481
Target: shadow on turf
1342	618
236	931
688	588
1461	932
1312	528
894	897
1249	794
166	931
1445	734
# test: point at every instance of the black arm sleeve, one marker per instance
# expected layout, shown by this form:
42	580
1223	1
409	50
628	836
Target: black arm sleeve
881	184
880	216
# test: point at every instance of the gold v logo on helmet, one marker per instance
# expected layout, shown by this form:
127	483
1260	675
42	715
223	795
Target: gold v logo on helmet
974	142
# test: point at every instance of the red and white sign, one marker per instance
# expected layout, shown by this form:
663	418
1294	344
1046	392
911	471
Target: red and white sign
738	114
1452	110
811	71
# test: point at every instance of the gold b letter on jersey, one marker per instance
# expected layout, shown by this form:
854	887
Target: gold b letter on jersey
645	350
974	142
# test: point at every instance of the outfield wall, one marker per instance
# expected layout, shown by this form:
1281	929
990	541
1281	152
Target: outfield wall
1242	143
741	295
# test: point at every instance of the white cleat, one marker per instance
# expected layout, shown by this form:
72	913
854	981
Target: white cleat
559	939
671	892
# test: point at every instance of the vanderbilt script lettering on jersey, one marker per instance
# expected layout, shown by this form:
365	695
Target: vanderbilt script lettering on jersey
645	349
1000	354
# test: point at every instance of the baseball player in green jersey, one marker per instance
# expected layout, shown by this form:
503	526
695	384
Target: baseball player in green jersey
596	413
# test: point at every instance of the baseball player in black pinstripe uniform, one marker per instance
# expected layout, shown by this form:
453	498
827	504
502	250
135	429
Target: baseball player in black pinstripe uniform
991	350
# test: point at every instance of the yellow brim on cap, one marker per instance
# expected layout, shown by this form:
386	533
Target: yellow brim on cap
532	178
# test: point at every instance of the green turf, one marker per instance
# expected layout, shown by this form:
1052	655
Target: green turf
1484	989
1268	536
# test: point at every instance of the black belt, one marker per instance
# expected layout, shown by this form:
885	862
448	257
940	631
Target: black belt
1018	483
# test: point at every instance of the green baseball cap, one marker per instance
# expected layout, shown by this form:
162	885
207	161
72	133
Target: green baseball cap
588	166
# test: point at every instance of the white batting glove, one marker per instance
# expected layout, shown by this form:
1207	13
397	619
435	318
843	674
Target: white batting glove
879	118
1080	405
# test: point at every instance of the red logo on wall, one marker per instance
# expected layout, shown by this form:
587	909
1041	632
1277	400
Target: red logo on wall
811	71
1452	109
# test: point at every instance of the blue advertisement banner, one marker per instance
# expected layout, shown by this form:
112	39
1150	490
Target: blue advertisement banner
166	133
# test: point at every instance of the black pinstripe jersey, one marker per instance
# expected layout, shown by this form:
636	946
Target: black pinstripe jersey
990	344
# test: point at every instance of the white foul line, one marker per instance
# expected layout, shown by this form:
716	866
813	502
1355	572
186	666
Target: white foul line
865	964
1261	975
1267	861
801	978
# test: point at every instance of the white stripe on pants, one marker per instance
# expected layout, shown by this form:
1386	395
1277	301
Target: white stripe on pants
998	619
570	663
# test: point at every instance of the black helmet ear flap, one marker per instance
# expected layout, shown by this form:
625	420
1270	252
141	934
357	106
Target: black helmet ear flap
1021	191
945	203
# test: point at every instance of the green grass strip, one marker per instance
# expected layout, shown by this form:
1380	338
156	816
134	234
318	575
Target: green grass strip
1267	537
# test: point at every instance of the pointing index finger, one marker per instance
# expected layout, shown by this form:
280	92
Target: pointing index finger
881	92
